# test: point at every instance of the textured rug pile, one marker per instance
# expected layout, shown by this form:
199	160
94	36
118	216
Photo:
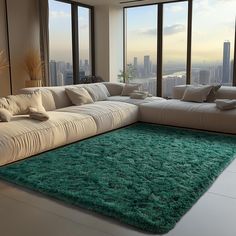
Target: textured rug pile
144	175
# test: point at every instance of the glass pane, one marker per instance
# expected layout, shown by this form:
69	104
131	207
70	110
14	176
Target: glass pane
141	52
84	41
60	43
213	41
175	18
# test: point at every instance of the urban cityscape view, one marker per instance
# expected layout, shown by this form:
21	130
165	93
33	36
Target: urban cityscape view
219	73
61	73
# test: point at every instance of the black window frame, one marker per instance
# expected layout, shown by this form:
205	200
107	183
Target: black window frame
160	42
75	38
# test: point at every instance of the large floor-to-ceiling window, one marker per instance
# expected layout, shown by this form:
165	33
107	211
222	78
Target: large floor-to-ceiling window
70	53
60	44
84	41
175	17
195	45
213	42
141	39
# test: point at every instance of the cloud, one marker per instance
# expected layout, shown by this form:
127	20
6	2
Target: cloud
174	29
59	14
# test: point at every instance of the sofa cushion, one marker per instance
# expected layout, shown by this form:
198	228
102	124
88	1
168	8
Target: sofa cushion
115	89
5	115
134	101
47	97
130	88
212	95
24	137
196	93
225	104
107	115
79	96
20	104
61	99
98	91
204	116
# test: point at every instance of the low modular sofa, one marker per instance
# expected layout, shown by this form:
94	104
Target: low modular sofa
24	137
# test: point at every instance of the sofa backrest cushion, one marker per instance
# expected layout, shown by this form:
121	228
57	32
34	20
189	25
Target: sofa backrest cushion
20	104
97	91
79	96
115	89
47	97
196	93
225	92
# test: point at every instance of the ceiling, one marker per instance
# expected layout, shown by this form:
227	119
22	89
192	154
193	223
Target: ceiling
118	2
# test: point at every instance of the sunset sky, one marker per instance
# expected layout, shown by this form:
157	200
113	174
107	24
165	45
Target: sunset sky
60	31
211	27
213	23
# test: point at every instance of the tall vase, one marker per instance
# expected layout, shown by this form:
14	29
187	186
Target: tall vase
33	83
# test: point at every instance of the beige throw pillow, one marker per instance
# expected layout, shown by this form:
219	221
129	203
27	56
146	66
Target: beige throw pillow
79	96
212	95
98	92
5	115
130	88
225	104
196	94
20	104
36	114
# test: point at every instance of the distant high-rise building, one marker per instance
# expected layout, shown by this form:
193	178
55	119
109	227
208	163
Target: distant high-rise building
226	63
232	71
53	73
136	66
68	77
135	62
60	79
147	66
204	77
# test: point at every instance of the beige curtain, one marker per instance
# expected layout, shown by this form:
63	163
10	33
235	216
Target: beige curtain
44	38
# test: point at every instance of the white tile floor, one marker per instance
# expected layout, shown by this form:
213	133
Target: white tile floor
23	213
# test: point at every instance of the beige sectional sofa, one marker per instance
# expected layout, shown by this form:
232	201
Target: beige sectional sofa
204	116
24	137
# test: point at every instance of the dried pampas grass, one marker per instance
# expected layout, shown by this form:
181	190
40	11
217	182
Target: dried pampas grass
3	61
34	65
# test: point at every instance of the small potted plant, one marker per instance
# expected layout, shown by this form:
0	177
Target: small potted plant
3	61
128	75
33	66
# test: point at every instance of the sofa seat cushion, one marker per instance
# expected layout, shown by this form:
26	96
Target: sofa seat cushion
107	115
134	101
205	116
24	137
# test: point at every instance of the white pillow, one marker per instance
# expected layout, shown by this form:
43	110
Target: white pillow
225	104
98	92
196	93
36	114
5	115
130	88
79	96
20	104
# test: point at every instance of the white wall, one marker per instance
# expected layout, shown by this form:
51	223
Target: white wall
23	20
4	75
116	42
108	41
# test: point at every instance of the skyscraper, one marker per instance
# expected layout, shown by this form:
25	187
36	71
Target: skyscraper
226	63
147	66
53	73
136	66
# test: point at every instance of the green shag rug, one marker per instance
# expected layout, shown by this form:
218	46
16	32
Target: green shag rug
144	175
